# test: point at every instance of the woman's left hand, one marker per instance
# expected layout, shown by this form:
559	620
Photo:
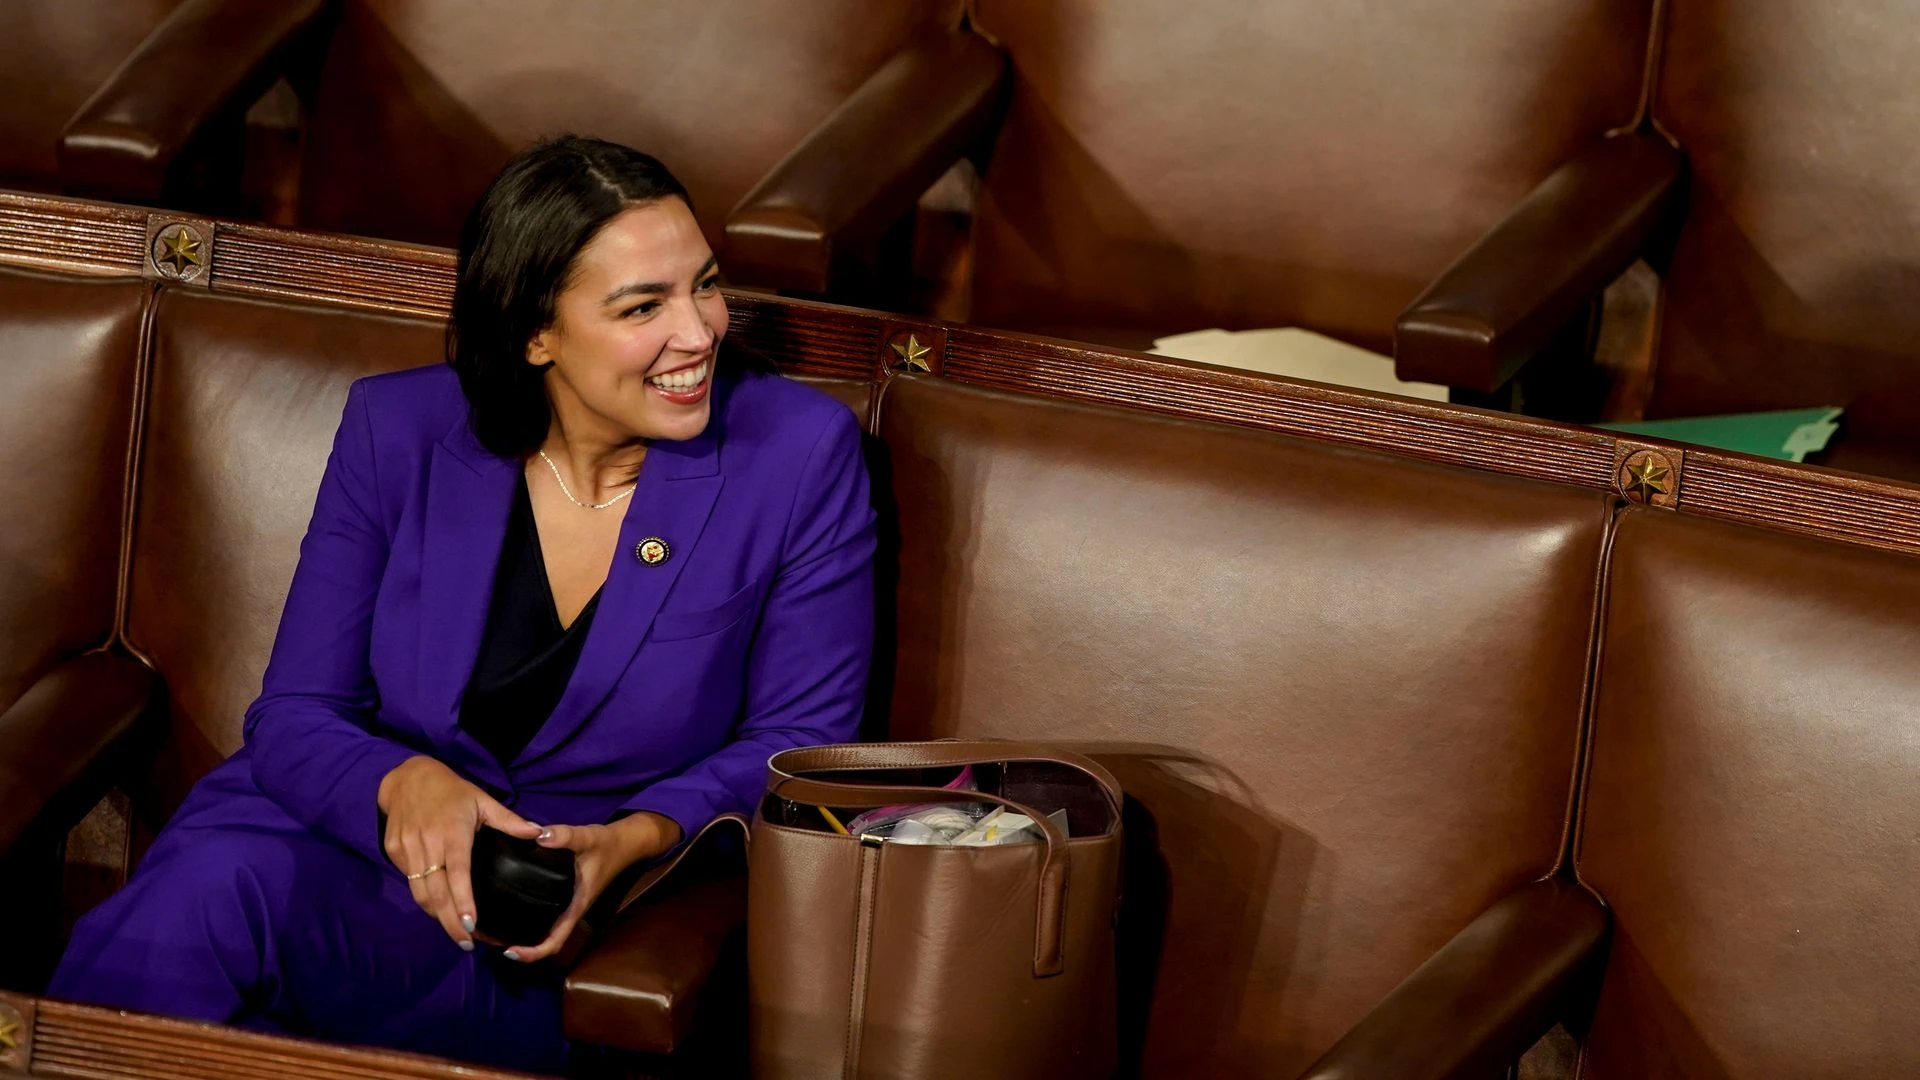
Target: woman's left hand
600	853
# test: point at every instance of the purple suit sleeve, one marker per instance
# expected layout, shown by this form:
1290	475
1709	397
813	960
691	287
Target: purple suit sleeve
310	732
807	671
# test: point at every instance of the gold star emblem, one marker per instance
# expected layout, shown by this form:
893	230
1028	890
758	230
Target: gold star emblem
1647	479
179	249
913	354
9	1033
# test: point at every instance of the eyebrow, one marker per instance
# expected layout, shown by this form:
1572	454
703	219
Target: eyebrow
641	288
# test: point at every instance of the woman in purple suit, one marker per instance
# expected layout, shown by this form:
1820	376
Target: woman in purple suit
576	585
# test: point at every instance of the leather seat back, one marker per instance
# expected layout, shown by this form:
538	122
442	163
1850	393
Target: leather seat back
243	402
421	102
69	355
1170	166
1750	813
1793	282
1332	682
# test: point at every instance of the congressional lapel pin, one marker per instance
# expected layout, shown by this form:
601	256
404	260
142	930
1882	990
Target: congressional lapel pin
652	551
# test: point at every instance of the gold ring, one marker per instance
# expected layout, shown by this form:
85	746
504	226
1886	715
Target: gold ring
434	869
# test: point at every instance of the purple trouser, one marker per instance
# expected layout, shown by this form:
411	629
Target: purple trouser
241	915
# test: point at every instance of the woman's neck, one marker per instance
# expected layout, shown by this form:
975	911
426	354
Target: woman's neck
595	466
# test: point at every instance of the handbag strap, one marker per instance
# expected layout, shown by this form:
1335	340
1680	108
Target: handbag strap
856	757
1050	917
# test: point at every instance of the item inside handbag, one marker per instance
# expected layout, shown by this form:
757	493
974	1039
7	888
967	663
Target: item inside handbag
951	824
1070	798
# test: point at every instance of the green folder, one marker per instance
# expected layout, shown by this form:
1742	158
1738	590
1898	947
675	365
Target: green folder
1789	435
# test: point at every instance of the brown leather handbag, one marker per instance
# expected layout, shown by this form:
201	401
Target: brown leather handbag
870	959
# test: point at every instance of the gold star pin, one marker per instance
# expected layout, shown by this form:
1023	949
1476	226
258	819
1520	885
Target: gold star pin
1647	479
9	1034
913	354
179	249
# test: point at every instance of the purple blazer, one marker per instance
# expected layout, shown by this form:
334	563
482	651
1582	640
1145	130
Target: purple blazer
754	635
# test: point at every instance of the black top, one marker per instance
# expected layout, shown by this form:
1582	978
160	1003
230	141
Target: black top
526	656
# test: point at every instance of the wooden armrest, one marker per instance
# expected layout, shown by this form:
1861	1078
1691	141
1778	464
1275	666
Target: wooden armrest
63	741
1487	995
208	59
1493	309
864	166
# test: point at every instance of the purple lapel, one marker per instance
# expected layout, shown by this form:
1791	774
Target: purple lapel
678	486
469	496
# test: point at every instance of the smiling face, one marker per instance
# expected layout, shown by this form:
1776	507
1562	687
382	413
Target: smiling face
636	329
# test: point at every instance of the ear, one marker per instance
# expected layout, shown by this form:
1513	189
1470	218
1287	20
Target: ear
540	348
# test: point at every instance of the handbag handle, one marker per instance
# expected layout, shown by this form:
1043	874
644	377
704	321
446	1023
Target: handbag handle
877	756
1050	918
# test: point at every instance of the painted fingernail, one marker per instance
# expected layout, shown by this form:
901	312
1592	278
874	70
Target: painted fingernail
511	954
466	945
546	834
466	923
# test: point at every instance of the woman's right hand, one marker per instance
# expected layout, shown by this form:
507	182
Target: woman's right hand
432	816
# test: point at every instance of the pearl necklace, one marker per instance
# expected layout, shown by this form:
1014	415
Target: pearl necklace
584	506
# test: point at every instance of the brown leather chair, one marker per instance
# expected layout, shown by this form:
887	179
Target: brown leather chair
242	402
53	55
1747	816
1328	681
1750	814
71	350
1790	283
412	106
1168	167
1164	168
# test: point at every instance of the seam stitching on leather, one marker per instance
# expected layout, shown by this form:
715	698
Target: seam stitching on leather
1653	58
130	486
1577	809
876	397
1609	510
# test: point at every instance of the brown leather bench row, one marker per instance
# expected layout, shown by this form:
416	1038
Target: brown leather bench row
1184	168
1396	690
1457	187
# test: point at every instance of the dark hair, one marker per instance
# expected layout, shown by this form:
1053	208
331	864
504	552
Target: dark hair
516	252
